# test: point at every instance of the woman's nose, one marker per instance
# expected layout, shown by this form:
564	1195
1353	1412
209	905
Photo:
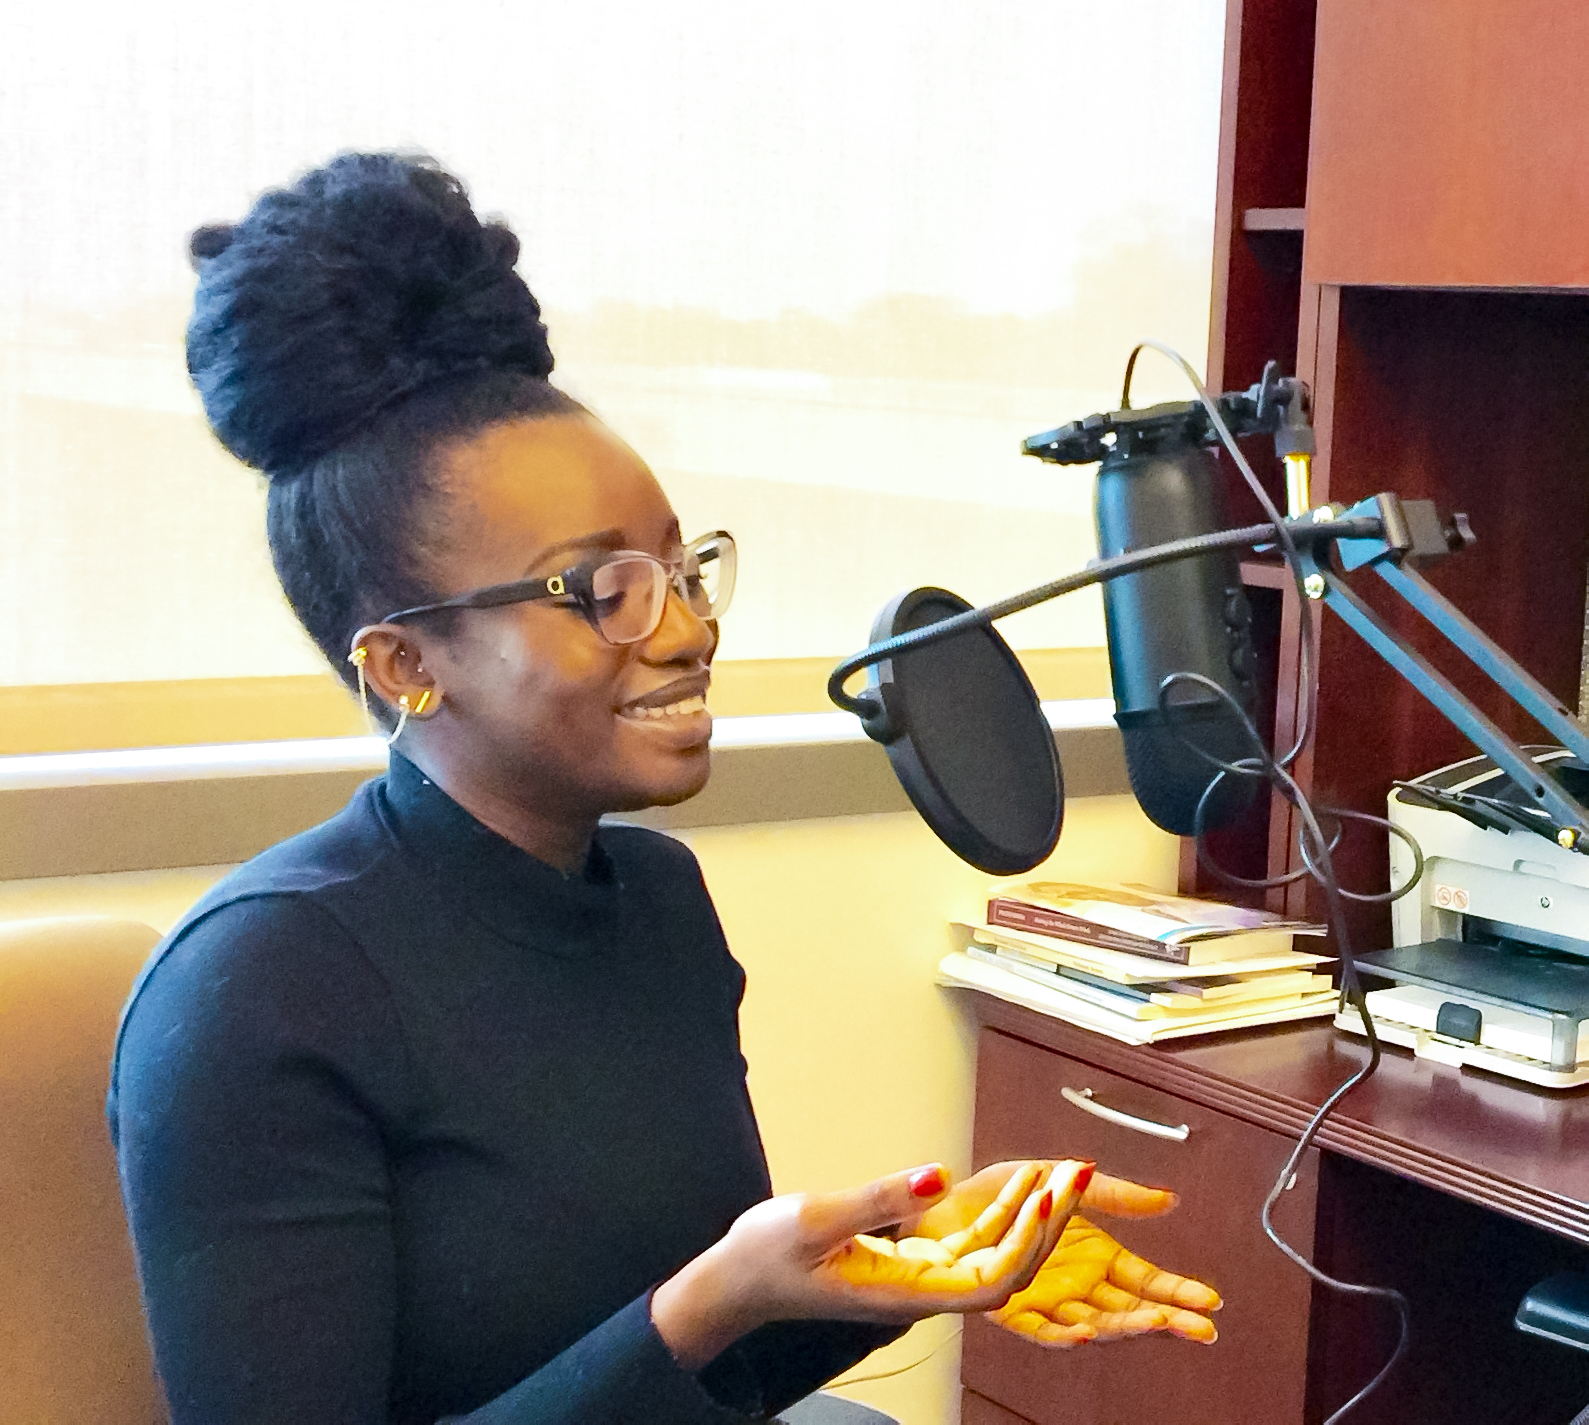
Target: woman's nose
682	633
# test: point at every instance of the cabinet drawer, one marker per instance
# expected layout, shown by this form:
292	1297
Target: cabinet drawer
1255	1373
978	1410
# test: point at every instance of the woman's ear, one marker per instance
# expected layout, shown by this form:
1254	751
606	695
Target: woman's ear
391	666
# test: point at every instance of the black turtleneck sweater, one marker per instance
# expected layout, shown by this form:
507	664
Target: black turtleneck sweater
409	1125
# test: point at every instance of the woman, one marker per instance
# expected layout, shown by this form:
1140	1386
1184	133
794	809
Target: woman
438	1109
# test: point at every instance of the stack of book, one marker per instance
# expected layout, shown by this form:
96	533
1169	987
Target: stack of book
1140	965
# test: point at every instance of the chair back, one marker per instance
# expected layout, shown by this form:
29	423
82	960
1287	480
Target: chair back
73	1348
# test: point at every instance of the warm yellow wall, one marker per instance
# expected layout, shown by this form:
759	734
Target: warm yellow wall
80	717
859	1064
157	898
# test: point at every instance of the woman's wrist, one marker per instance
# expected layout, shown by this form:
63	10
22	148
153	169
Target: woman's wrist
702	1309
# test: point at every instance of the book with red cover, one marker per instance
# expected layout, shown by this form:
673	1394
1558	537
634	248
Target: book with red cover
1178	930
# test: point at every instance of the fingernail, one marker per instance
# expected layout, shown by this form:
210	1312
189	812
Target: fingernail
1084	1176
1045	1206
926	1182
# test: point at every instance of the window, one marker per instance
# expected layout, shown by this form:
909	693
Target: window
822	265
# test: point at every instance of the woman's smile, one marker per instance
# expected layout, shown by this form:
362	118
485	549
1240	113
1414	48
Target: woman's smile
676	710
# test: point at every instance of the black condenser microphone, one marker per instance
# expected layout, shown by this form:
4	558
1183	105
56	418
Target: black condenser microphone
1187	617
1158	483
960	719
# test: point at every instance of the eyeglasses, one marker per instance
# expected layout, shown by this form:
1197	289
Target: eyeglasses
622	595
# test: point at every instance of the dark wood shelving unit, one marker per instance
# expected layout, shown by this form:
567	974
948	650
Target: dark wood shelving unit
1402	193
1265	574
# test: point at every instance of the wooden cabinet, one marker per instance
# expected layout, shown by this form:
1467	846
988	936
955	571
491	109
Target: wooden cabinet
1459	1190
1449	144
979	1410
1403	190
1223	1169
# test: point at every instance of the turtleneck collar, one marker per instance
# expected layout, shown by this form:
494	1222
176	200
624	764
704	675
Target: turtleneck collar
492	880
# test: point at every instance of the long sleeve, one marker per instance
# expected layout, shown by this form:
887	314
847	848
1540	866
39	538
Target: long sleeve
784	1361
262	1089
410	1125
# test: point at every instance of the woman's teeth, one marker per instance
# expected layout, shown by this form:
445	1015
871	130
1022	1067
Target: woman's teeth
680	709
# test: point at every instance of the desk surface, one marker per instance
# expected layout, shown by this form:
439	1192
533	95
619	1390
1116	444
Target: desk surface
1514	1149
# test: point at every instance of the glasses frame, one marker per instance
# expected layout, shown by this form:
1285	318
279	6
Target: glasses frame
576	583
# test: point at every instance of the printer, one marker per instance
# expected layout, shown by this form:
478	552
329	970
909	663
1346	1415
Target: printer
1489	966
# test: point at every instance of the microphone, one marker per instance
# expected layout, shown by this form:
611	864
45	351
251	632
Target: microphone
1188	617
960	720
1158	484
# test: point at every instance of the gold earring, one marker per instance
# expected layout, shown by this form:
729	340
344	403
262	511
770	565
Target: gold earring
404	712
358	658
402	719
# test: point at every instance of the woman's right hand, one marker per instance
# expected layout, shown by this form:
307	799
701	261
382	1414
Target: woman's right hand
811	1255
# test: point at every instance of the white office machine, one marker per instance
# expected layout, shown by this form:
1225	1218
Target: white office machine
1491	949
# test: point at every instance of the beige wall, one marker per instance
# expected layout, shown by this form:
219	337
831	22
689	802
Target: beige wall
859	1064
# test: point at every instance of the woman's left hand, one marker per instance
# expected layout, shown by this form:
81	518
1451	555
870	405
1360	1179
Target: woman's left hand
1091	1289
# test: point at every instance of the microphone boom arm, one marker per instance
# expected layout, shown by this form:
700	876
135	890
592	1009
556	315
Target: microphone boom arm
1384	532
1569	819
866	706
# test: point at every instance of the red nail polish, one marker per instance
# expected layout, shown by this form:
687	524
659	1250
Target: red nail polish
1045	1206
926	1182
1084	1176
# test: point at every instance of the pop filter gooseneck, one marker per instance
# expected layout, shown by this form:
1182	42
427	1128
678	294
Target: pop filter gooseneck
960	720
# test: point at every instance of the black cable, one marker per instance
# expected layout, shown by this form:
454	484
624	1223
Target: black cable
1316	851
1316	856
1395	893
1314	848
1307	651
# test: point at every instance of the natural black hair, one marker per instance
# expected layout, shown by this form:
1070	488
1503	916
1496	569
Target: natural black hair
344	333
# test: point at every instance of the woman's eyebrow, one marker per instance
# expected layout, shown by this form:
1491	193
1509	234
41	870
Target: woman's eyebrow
602	539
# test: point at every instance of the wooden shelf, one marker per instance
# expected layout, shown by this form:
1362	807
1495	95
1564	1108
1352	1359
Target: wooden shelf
1274	220
1446	144
1439	320
1265	574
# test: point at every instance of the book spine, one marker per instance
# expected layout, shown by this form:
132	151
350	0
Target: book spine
1110	1003
1039	920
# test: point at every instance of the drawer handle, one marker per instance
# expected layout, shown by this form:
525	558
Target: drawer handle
1084	1100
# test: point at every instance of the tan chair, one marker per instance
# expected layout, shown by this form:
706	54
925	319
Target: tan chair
73	1350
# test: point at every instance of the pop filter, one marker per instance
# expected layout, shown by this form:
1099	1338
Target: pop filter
967	737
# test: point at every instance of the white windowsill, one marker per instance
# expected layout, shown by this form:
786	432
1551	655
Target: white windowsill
84	813
39	771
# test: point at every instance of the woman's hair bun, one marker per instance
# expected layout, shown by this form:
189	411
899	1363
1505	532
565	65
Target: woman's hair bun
209	241
362	282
